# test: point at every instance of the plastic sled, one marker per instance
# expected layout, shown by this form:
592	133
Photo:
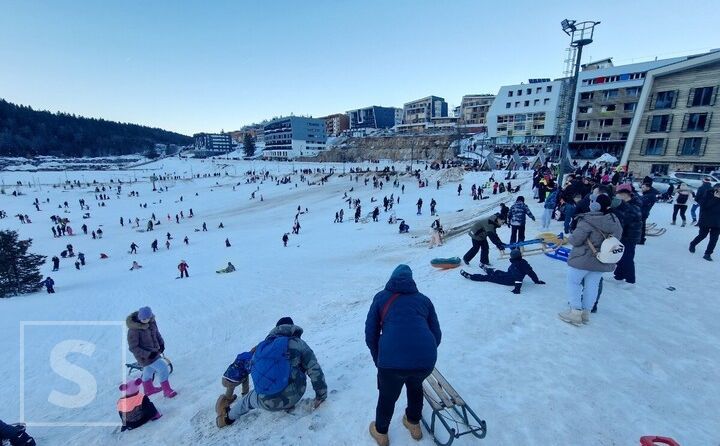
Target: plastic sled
545	242
452	262
559	254
449	408
135	367
655	232
651	440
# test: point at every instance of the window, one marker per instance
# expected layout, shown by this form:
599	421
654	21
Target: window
630	107
581	137
610	94
507	105
528	91
583	124
660	169
585	109
659	123
538	90
625	121
519	92
546	101
653	147
606	122
632	91
623	136
517	104
603	137
526	103
665	99
690	147
701	96
536	102
586	96
539	127
696	122
607	108
548	89
510	93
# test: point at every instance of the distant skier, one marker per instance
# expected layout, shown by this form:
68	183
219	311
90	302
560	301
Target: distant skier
183	268
519	268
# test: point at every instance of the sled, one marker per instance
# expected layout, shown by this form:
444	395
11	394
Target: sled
448	407
135	367
650	225
449	263
561	254
651	440
655	232
547	243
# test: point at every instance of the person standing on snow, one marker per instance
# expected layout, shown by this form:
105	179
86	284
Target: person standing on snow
402	333
479	233
147	345
49	285
133	248
648	199
680	203
699	194
517	214
56	263
419	206
709	222
630	214
280	366
183	268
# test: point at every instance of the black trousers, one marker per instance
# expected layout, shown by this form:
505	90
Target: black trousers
679	207
390	384
704	231
642	231
494	276
517	233
478	245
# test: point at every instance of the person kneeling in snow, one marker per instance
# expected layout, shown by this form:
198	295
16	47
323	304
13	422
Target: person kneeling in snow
134	408
519	268
280	364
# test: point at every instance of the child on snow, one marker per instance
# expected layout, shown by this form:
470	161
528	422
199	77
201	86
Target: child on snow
134	408
519	268
237	374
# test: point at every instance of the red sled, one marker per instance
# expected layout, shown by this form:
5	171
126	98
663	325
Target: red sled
651	440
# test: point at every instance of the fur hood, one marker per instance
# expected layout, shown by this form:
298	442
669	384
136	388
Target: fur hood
133	322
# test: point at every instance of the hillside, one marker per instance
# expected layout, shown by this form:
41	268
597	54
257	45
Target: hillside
27	132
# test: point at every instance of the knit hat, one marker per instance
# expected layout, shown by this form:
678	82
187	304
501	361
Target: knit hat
515	254
625	187
145	313
604	202
521	198
287	320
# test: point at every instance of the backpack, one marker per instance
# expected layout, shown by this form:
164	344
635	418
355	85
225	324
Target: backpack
682	198
239	369
270	366
611	249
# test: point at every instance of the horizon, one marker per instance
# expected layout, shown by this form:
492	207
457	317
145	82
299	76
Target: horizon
179	70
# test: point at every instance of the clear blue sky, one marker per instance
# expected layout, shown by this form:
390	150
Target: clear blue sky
195	66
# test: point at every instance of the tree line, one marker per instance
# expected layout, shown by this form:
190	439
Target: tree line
27	132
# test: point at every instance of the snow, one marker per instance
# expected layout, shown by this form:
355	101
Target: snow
646	364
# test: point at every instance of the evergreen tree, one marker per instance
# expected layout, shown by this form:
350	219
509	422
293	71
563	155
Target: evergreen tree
152	153
19	270
248	145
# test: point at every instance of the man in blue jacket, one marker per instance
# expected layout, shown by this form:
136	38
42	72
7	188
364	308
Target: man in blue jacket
402	332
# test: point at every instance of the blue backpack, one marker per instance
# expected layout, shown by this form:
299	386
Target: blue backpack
271	366
239	370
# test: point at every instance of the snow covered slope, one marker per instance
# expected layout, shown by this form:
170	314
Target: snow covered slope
647	363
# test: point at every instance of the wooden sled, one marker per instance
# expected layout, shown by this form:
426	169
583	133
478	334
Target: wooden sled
135	367
449	408
546	243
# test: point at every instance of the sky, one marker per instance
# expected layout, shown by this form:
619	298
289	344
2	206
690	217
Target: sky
191	66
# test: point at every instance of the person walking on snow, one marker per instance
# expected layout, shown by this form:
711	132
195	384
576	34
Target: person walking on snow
133	248
680	203
517	214
154	245
433	203
49	285
699	194
403	333
419	206
584	268
183	268
280	366
549	208
285	239
709	222
629	213
519	268
479	233
56	263
648	199
147	346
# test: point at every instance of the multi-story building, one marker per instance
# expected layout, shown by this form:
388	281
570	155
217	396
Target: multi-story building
293	136
209	144
472	112
417	115
336	124
605	102
373	117
677	121
525	113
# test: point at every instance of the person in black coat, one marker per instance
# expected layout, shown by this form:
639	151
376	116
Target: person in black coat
519	268
648	199
630	215
709	222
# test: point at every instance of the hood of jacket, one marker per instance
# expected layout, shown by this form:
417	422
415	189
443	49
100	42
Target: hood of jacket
133	322
287	330
401	281
603	222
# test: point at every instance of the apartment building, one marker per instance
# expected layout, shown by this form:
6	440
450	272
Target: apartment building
373	117
472	112
606	99
293	136
677	123
209	144
525	113
418	114
336	124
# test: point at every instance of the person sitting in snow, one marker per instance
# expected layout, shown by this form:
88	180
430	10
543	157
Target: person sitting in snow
134	408
237	374
135	265
519	268
280	365
404	227
228	269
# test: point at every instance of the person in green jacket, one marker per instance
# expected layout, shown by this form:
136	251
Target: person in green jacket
480	232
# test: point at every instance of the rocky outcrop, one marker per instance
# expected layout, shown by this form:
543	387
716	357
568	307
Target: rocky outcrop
395	148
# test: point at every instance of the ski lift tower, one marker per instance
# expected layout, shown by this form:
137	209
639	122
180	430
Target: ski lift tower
581	34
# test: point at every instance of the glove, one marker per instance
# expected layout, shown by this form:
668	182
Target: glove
533	219
153	356
540	282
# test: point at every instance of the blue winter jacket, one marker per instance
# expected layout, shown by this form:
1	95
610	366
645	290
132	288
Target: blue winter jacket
410	332
551	201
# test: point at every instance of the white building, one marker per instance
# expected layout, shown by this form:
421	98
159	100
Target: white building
525	113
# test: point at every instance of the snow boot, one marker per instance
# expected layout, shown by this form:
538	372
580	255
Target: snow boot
381	439
683	224
465	274
223	420
149	389
415	429
707	257
168	392
571	316
586	316
673	223
222	403
692	248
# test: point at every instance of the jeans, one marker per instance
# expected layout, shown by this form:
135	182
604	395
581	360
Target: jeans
158	369
245	405
625	269
547	218
390	384
478	245
693	211
517	233
582	288
704	231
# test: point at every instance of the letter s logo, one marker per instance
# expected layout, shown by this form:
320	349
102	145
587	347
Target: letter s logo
84	379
